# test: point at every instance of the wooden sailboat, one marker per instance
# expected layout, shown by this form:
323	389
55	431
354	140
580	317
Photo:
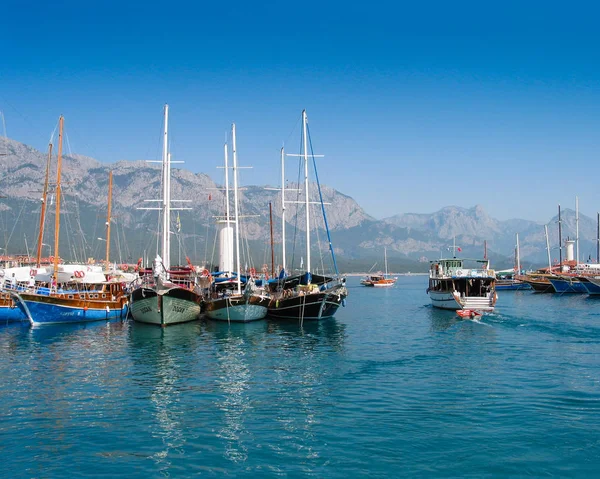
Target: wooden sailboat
93	302
160	299
9	311
227	301
379	280
306	295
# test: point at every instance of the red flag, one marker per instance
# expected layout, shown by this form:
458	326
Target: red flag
459	249
209	197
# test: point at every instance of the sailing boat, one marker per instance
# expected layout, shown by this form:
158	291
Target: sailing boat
227	301
159	299
380	280
93	302
306	295
509	279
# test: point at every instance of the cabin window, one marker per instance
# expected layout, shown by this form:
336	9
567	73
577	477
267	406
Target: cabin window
71	296
104	296
95	296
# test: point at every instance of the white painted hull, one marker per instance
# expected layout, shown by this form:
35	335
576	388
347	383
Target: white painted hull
444	300
237	309
163	309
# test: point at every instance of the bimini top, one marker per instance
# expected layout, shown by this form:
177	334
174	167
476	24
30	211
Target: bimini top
447	268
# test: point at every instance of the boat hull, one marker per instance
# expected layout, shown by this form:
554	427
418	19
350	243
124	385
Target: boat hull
592	285
317	305
237	308
511	285
568	285
541	286
9	311
164	307
41	309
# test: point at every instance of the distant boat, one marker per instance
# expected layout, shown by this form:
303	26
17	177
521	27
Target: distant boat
454	286
166	296
508	279
379	280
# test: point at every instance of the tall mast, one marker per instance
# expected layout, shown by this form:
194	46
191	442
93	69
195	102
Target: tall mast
304	121
235	206
577	229
518	256
108	219
227	214
385	260
272	252
548	248
598	241
58	191
282	209
559	240
43	211
166	240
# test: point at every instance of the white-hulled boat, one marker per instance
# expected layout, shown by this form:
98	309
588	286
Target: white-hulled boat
228	301
161	299
453	285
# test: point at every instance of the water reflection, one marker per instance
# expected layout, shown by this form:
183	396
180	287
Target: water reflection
162	359
234	378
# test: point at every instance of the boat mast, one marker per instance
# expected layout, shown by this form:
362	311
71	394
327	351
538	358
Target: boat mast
108	218
385	260
272	251
282	209
227	214
577	229
548	248
559	240
518	256
58	191
598	241
43	211
304	121
166	243
235	207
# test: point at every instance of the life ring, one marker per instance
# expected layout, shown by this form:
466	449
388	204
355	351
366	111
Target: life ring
32	273
459	273
51	259
79	274
252	272
124	267
205	273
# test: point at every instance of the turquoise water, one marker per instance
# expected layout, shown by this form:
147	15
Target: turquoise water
389	388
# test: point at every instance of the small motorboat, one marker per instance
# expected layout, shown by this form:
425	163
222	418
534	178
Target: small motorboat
468	313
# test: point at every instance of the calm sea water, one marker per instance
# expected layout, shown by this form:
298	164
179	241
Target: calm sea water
389	388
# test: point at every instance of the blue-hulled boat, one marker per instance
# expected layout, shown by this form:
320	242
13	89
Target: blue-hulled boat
567	284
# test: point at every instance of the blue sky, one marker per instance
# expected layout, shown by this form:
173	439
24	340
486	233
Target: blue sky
415	106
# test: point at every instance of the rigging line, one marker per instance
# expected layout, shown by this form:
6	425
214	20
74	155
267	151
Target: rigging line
15	225
322	204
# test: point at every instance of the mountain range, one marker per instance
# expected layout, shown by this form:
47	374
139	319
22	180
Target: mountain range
359	239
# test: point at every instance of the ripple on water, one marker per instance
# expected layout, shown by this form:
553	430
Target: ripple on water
390	387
